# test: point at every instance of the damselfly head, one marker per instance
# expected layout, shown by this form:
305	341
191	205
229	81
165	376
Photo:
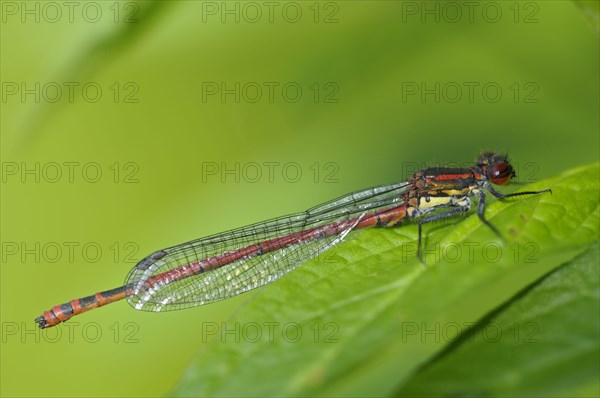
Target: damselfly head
496	168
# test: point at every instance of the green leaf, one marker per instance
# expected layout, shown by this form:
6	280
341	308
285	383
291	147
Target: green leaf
591	9
545	342
373	316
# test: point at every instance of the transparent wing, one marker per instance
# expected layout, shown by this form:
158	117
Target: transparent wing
257	269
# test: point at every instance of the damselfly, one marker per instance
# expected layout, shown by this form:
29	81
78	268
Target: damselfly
227	264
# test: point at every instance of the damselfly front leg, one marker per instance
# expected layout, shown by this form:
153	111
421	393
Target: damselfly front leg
501	195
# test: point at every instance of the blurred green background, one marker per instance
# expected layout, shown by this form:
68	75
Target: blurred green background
155	131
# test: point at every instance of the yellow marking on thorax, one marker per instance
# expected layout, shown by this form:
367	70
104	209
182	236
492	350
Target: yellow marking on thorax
456	192
434	202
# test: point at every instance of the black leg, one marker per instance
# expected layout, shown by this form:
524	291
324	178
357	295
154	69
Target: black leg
435	217
481	206
512	195
481	209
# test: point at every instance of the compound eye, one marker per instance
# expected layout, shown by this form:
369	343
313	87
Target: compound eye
501	173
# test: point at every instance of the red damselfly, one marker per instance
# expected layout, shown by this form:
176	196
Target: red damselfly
227	264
